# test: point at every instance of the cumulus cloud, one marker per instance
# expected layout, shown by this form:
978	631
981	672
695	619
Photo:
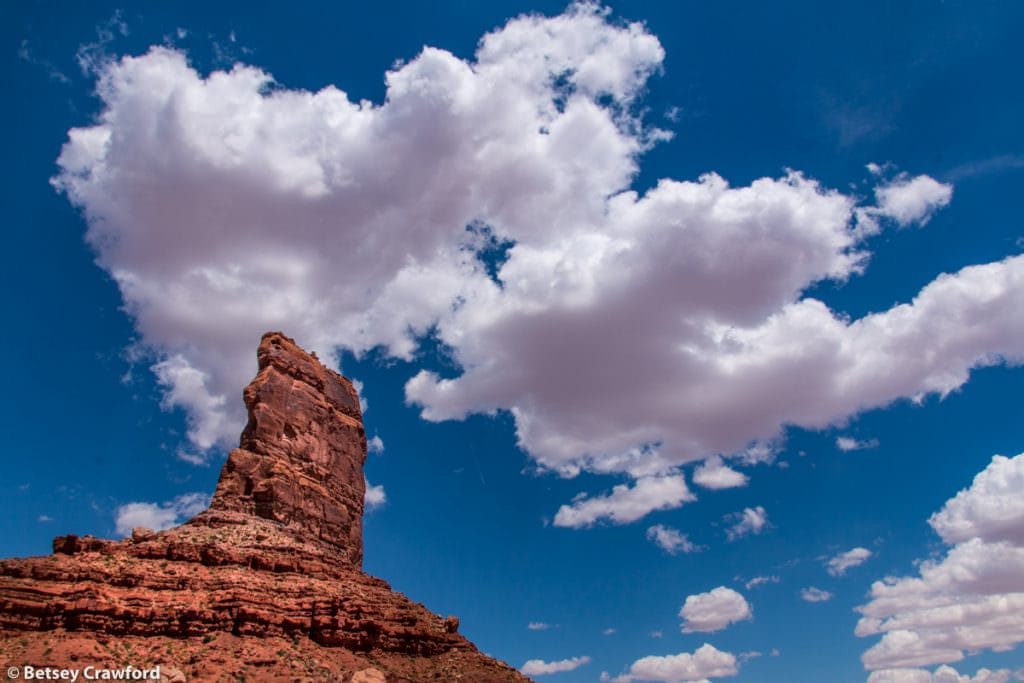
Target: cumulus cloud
909	200
538	667
992	508
848	443
159	516
944	674
714	610
538	626
671	540
812	594
705	663
626	503
749	521
838	565
625	332
375	445
969	600
714	474
374	496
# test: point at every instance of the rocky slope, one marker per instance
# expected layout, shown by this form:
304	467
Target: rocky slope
265	585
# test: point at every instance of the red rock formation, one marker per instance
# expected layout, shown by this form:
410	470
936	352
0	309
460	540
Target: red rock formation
264	585
300	460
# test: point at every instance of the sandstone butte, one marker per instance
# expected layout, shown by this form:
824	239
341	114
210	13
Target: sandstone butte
265	585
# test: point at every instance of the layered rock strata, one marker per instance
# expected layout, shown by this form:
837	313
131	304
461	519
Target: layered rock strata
265	585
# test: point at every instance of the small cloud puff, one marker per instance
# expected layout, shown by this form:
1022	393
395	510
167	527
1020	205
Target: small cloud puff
159	516
760	580
671	540
838	565
908	200
538	667
704	663
626	503
714	610
751	521
812	594
374	496
848	443
715	474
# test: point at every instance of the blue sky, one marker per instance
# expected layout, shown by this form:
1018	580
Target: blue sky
586	370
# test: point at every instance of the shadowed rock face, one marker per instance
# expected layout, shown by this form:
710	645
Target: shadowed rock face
300	460
265	585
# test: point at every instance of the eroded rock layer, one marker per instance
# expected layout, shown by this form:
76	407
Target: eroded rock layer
264	585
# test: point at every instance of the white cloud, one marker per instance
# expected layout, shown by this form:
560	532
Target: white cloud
812	594
909	200
671	540
758	453
838	565
749	521
162	516
947	674
705	663
631	332
44	518
714	474
188	387
714	610
900	676
626	504
847	443
944	674
538	667
609	632
538	626
759	580
969	600
374	496
364	405
992	508
375	445
270	194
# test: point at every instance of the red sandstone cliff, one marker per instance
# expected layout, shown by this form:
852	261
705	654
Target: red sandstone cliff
265	585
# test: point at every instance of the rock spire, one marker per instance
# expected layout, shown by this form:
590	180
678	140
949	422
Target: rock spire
300	458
